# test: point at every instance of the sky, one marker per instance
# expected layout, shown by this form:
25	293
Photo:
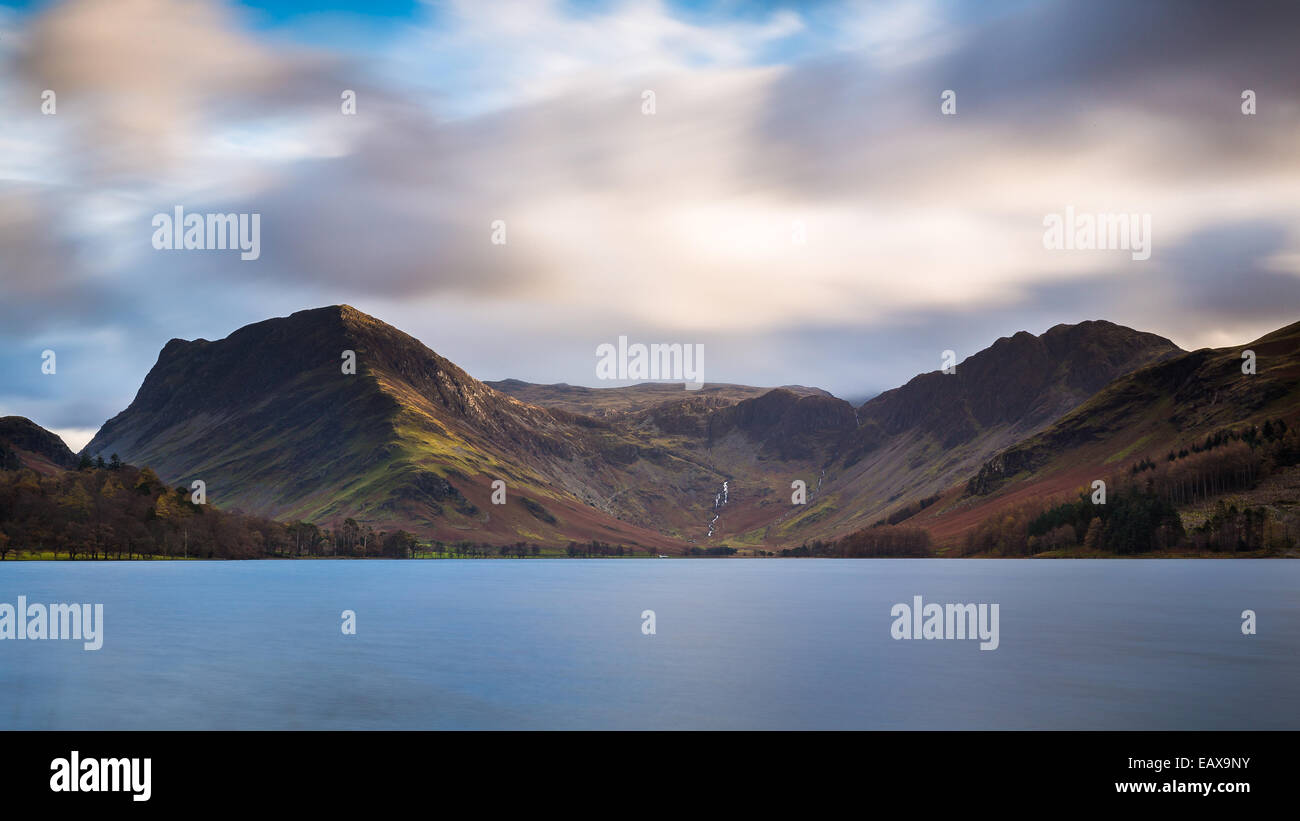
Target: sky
797	202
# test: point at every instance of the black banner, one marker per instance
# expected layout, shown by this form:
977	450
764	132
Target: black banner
149	771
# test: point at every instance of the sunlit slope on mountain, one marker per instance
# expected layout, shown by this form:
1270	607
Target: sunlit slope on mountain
268	419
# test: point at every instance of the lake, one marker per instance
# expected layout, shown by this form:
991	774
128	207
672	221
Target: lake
738	644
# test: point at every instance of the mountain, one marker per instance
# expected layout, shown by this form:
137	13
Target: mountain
1183	406
918	440
1019	383
270	421
23	443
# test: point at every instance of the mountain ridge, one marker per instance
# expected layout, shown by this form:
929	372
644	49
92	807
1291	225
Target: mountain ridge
267	418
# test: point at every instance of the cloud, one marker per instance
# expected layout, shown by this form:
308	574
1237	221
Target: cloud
75	438
1216	287
479	58
688	217
797	200
148	82
45	284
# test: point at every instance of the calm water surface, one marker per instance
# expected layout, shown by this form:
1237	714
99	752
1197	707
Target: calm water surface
744	644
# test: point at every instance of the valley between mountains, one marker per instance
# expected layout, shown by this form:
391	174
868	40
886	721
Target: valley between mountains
993	459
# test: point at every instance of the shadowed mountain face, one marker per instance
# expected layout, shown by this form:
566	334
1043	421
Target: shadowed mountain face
23	443
1021	382
270	421
786	424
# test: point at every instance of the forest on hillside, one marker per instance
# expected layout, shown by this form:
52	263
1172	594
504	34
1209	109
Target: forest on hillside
1141	511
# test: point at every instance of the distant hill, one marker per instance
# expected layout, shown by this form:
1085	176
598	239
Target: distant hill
604	402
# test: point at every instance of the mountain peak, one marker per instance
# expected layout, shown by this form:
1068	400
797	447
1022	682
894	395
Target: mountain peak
1022	380
342	312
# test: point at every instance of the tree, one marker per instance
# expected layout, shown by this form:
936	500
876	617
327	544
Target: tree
1092	539
399	544
171	507
147	482
350	535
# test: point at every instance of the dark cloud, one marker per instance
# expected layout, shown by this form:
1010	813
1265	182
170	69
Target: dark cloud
1048	83
43	277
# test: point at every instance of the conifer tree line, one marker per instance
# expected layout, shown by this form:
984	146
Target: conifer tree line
1141	510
